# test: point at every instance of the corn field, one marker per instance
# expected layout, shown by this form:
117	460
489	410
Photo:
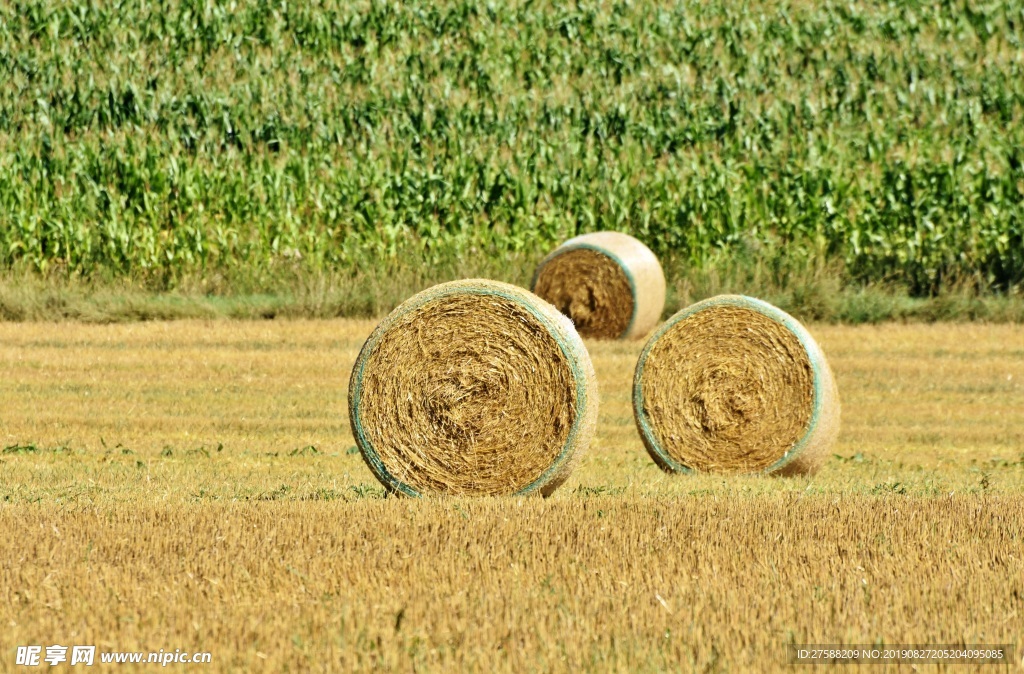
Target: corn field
159	139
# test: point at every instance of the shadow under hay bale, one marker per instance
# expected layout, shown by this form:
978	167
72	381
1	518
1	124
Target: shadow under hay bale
735	385
473	388
609	284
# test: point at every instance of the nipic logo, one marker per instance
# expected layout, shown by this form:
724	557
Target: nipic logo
34	656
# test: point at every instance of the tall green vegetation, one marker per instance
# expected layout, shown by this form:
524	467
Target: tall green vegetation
159	140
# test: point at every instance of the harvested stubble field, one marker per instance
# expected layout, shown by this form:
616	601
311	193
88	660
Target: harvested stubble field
194	485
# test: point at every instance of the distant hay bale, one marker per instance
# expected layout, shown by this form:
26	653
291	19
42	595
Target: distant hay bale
608	283
473	388
735	385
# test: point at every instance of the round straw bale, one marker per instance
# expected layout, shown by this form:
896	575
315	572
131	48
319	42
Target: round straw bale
735	385
473	388
608	283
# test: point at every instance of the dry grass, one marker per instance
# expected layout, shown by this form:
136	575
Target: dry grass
193	485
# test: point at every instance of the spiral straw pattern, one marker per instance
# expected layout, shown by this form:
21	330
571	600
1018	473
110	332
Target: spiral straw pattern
473	388
610	285
735	385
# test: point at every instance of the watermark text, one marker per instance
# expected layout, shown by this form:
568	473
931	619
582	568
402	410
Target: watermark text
38	656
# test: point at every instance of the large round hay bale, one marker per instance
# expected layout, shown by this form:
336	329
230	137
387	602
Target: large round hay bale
735	385
473	388
608	283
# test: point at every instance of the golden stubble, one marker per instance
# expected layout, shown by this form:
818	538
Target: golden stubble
192	485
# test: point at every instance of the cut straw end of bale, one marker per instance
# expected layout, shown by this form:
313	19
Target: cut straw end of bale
735	385
473	388
609	284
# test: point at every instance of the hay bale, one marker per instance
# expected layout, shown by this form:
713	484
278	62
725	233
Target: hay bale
608	283
735	385
473	388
